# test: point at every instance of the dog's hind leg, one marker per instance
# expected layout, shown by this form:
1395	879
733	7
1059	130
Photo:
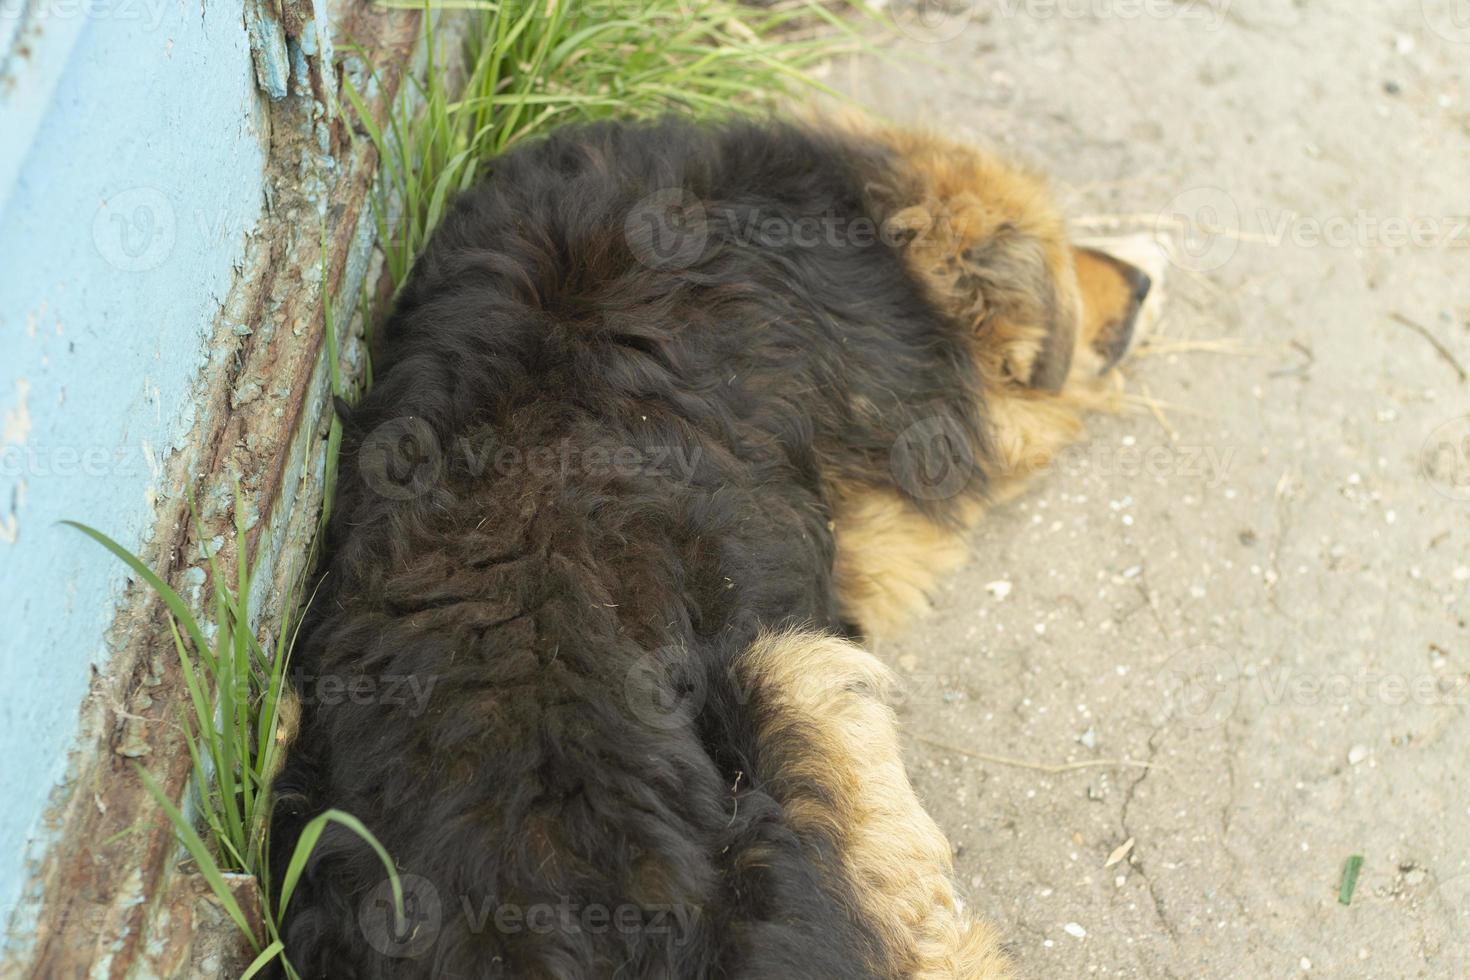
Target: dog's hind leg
826	747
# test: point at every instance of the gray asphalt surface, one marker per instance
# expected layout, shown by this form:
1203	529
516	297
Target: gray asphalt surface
1262	590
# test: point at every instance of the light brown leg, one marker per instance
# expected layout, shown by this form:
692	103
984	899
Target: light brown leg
830	745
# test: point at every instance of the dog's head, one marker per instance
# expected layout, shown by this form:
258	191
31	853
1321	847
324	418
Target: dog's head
1047	318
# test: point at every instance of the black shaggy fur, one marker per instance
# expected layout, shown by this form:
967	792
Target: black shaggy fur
517	669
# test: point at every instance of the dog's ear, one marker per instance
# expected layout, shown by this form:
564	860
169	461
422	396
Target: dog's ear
1028	313
1053	362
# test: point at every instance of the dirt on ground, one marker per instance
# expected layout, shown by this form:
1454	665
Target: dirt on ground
1242	611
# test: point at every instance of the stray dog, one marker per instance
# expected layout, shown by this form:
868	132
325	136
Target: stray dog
668	418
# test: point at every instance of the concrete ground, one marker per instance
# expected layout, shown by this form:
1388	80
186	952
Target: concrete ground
1262	594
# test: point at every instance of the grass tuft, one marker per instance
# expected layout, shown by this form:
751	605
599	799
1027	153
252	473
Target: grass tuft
234	720
530	65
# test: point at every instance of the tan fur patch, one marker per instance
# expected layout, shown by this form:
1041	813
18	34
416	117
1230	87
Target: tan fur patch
890	557
827	696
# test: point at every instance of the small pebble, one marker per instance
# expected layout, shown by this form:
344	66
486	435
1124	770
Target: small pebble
1000	588
1357	754
1074	930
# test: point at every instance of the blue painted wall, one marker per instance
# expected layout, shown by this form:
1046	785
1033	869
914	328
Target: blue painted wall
130	173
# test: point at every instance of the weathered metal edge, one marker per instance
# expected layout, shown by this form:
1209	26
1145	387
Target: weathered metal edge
101	897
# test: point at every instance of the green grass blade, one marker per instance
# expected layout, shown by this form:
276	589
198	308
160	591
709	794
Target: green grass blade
1349	879
364	117
307	843
263	960
207	866
198	697
225	762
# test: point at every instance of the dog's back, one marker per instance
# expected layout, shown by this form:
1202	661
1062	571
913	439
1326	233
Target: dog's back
598	465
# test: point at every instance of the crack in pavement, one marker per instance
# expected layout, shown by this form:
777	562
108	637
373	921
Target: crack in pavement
1160	909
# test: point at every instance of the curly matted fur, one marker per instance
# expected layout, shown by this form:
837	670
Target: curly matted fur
640	454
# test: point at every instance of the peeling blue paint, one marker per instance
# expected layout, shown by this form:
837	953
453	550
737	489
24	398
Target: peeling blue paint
308	39
137	176
268	49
